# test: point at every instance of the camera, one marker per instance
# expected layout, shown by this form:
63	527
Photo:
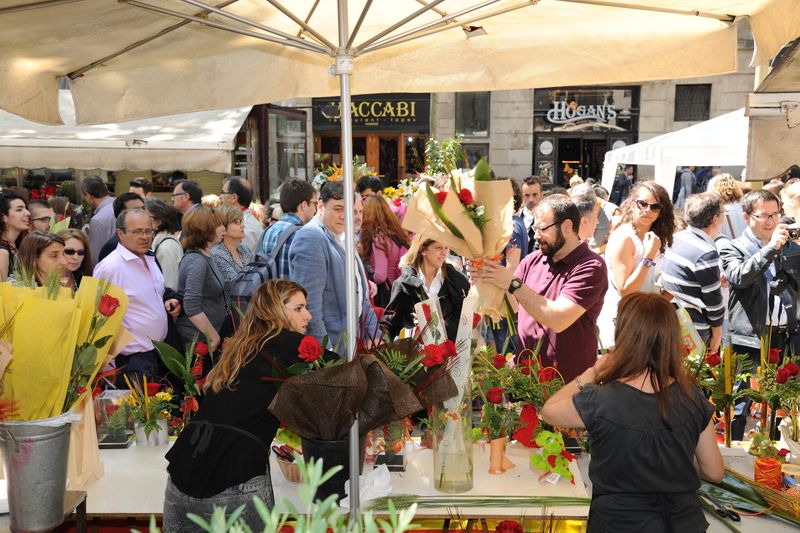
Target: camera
794	232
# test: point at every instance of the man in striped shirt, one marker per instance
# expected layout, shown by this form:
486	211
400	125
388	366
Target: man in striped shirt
691	267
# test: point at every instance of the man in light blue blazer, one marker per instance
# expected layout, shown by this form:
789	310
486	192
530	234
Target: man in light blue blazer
317	262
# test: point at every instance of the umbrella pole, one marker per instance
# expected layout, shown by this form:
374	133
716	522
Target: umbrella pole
344	68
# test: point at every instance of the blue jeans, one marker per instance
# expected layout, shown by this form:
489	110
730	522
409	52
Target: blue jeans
177	505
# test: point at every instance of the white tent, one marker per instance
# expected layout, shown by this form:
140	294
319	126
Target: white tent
721	141
189	142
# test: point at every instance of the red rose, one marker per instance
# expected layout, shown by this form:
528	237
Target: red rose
397	202
547	374
448	349
476	320
152	388
525	364
498	361
783	452
465	196
508	526
783	375
433	355
494	395
426	312
175	422
80	390
108	304
201	348
774	356
792	368
309	350
440	196
712	358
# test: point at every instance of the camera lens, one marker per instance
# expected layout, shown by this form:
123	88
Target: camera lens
794	233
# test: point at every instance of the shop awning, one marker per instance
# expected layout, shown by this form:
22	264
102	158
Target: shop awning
189	142
142	58
721	141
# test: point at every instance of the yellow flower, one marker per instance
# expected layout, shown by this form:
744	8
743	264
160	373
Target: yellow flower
164	396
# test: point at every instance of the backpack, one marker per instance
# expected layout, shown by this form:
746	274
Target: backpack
260	270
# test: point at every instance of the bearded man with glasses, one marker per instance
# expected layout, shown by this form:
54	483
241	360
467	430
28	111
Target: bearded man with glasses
763	271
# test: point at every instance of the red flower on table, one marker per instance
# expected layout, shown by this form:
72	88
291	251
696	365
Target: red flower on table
495	395
499	361
508	526
448	349
547	374
783	375
397	202
530	418
201	348
440	196
712	358
152	388
310	349
108	305
783	452
774	356
792	368
433	355
426	312
476	320
465	195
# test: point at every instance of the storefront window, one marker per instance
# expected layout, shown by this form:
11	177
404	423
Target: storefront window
692	102
472	113
474	152
287	146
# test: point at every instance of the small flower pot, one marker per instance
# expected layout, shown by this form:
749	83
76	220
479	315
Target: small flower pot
157	437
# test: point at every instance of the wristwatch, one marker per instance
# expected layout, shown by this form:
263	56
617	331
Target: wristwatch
515	284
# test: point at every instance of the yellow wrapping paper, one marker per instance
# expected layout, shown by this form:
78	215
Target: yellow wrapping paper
497	197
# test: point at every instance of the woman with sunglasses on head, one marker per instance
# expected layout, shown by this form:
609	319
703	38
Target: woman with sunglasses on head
77	257
634	250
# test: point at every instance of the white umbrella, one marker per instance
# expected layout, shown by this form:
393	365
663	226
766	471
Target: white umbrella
134	58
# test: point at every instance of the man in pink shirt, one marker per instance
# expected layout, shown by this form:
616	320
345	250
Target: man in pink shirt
133	268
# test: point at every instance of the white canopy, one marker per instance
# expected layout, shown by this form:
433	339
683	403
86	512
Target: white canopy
721	141
188	142
141	58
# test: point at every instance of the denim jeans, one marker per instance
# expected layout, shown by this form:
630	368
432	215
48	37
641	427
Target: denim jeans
177	505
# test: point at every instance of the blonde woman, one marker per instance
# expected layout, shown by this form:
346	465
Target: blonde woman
222	457
730	191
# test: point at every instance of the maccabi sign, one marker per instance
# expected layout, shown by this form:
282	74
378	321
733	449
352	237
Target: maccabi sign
563	112
376	112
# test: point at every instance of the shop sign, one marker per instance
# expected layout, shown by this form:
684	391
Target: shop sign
409	112
564	113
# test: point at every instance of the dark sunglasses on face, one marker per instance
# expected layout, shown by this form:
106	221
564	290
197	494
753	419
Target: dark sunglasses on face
70	251
644	205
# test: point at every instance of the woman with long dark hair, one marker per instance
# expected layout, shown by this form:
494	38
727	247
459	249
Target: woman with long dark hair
77	256
15	221
650	428
635	249
222	457
383	243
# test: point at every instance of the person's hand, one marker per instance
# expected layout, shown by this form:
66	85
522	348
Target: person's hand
213	341
490	272
723	280
173	307
652	245
373	289
779	237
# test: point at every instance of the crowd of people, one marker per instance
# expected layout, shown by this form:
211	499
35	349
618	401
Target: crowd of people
590	277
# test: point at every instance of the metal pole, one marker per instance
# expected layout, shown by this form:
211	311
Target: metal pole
344	68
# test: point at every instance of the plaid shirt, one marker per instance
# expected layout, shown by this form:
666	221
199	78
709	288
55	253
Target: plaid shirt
271	238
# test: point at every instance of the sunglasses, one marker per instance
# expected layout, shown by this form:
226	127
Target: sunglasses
70	251
644	205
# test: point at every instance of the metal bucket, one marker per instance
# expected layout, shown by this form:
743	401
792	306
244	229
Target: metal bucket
35	459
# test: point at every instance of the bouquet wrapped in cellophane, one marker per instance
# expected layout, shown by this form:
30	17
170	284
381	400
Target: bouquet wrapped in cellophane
472	214
59	342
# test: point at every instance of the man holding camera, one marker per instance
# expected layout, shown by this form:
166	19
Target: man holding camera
763	271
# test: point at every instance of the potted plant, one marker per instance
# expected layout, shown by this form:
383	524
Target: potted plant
150	410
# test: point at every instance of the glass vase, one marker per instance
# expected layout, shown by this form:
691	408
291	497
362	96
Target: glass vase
452	444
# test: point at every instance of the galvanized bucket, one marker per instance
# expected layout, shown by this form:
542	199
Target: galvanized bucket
35	459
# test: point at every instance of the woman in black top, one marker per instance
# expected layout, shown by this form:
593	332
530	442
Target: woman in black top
222	457
424	274
651	432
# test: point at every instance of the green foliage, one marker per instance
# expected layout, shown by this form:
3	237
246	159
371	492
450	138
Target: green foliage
442	158
482	171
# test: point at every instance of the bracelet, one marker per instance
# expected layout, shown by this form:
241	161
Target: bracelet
579	383
648	262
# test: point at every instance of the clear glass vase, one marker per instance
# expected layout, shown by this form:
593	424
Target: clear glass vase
451	428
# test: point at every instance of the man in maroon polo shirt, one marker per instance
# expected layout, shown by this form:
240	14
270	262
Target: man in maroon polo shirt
560	289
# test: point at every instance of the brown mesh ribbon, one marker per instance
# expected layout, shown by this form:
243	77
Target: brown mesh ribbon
322	404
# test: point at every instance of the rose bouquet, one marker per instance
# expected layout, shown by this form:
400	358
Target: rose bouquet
188	368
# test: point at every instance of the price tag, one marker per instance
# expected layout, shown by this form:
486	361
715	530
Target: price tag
551	478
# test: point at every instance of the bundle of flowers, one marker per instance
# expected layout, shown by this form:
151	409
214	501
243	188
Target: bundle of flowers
53	368
188	368
472	214
148	404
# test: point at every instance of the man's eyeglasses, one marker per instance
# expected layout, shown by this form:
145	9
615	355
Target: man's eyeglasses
644	205
141	232
761	217
178	194
70	251
223	193
40	219
537	229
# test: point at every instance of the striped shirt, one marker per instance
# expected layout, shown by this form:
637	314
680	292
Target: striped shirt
271	239
691	272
